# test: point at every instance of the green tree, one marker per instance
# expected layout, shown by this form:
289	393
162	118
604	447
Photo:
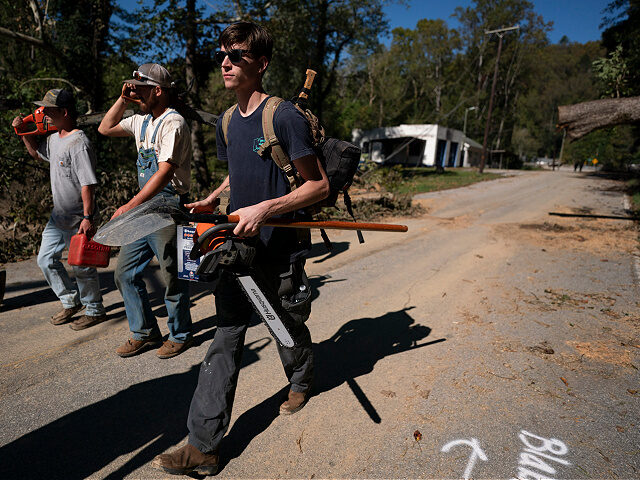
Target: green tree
317	34
612	73
622	17
559	74
515	61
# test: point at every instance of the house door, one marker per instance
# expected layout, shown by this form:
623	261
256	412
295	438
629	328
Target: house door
440	151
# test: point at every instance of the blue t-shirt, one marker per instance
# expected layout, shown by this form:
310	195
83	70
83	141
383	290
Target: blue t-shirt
254	179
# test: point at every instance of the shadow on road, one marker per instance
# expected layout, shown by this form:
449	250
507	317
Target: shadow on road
351	352
320	250
44	294
358	345
150	417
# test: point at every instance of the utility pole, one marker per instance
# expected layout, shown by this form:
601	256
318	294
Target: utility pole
500	32
564	134
464	129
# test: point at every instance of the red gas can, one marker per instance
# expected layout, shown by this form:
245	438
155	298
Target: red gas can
87	253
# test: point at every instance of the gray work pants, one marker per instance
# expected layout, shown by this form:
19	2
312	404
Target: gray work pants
212	402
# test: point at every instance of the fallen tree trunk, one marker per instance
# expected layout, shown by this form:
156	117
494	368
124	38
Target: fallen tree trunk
582	118
186	111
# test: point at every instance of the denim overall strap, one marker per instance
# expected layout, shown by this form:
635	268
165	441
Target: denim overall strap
155	132
147	162
143	130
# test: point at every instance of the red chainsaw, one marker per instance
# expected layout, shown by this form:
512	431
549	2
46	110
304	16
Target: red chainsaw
39	119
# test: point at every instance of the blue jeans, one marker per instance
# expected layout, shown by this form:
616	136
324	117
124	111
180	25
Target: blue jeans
132	261
87	292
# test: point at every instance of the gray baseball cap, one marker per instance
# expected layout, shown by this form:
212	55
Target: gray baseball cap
58	97
151	74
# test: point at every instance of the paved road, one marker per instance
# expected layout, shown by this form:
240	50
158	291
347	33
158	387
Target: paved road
490	341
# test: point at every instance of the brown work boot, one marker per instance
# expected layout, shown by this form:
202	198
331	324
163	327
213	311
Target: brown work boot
64	315
87	321
294	403
132	346
170	349
186	460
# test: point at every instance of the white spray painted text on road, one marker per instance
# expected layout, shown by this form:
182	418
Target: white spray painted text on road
534	462
531	463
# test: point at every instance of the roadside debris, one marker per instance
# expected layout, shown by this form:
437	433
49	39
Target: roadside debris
542	347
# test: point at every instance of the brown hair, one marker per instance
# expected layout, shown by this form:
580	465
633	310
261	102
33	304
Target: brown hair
257	39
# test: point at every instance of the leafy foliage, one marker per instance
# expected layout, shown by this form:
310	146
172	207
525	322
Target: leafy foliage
612	72
428	74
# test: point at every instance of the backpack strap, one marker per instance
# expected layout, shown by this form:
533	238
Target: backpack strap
272	144
226	118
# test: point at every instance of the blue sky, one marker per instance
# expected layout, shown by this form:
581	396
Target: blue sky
577	19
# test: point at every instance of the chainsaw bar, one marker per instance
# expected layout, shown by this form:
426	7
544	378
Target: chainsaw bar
265	311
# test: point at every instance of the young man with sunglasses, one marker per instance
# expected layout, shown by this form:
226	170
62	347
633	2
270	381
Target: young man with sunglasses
258	190
72	165
163	142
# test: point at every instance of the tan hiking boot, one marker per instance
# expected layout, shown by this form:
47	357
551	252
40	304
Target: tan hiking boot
133	347
64	315
87	321
294	403
170	349
186	460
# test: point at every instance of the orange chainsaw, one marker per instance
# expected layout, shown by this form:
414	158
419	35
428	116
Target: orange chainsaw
42	125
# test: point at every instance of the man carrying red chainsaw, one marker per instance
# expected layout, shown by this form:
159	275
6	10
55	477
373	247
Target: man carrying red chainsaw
259	190
73	181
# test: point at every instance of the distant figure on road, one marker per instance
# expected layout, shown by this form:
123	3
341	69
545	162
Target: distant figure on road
163	141
578	164
72	165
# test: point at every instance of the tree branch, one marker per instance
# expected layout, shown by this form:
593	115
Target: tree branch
37	16
583	118
55	79
5	32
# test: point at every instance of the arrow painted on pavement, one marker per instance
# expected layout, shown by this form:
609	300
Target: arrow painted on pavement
476	453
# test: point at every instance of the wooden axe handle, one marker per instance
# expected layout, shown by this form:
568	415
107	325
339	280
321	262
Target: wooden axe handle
311	75
329	225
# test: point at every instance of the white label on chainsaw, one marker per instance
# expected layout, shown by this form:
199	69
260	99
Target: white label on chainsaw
267	312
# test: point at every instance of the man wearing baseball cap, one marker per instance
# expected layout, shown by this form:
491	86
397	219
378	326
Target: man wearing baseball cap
72	165
163	142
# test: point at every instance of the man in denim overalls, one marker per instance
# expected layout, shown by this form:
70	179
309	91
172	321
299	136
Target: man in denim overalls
164	168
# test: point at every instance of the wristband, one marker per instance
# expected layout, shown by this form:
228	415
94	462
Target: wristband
88	217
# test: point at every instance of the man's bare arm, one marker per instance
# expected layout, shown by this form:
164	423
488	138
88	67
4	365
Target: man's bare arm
211	202
88	195
314	189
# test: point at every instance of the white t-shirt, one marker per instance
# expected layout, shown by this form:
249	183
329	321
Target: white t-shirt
173	143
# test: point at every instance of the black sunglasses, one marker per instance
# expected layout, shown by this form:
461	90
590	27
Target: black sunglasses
235	55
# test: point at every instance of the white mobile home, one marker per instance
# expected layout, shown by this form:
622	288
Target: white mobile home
419	145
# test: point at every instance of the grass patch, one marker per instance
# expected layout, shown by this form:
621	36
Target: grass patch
420	180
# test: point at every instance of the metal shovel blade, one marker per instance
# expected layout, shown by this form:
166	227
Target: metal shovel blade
138	222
